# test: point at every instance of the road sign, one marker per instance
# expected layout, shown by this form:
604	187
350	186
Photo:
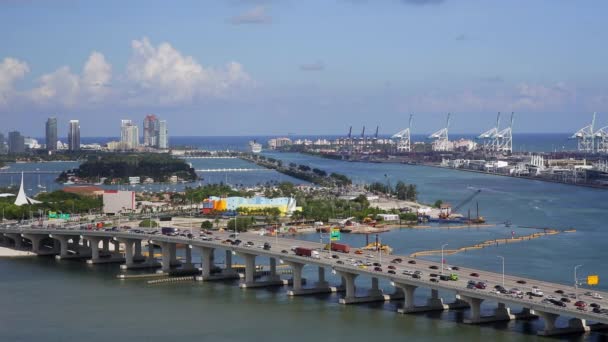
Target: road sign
64	216
52	214
593	280
334	235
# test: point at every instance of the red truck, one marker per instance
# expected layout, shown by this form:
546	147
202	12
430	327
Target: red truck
340	247
301	251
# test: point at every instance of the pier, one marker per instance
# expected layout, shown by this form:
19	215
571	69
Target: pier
94	247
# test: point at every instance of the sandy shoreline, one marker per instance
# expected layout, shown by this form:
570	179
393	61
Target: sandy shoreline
11	253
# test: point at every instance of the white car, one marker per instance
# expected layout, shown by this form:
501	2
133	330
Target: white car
596	295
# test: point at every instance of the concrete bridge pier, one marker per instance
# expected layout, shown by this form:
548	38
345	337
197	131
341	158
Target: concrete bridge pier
64	241
17	239
575	325
321	286
95	257
501	313
188	265
208	265
228	261
249	271
36	242
137	255
350	296
433	303
98	256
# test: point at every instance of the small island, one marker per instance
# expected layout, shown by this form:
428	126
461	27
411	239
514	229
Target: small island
118	168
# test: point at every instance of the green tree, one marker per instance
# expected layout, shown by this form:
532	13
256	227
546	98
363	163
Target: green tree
438	203
206	225
147	223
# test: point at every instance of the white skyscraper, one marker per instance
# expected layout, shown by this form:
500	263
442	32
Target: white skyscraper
163	134
129	135
74	135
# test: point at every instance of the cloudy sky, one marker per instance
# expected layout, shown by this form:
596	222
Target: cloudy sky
246	67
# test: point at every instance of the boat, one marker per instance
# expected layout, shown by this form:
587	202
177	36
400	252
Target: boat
255	147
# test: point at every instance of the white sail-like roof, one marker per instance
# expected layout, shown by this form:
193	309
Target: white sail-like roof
22	198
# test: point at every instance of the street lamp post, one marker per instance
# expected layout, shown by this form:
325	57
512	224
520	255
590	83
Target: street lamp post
576	281
442	246
503	269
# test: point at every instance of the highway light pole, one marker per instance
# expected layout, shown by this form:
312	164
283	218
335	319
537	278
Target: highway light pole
576	281
442	246
503	269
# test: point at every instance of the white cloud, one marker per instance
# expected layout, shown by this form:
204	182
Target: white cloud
170	77
256	15
66	88
11	70
96	77
539	97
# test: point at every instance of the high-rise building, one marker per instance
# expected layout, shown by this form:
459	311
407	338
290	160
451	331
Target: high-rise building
16	142
51	134
74	135
162	135
3	148
151	130
129	135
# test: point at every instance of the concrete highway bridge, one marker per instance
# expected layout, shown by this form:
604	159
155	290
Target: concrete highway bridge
94	246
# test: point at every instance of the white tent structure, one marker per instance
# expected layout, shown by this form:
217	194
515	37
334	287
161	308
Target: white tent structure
22	198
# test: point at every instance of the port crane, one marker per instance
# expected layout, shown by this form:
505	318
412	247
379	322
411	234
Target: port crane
586	137
404	136
442	139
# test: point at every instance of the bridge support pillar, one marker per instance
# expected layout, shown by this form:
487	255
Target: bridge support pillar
36	242
575	325
433	303
501	313
296	269
64	246
18	241
228	261
321	286
350	295
273	269
208	264
249	271
188	264
95	257
105	245
375	290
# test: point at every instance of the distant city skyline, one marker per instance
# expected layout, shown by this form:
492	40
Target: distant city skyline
259	67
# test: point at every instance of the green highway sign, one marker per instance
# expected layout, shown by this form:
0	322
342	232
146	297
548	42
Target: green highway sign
334	235
52	214
64	216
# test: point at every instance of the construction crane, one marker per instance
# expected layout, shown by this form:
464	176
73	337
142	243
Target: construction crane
461	204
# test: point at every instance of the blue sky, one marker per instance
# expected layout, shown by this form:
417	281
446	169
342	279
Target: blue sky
245	67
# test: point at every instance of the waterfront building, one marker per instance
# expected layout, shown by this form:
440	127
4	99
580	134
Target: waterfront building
51	134
151	130
117	201
275	143
129	135
286	205
74	135
16	142
162	135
